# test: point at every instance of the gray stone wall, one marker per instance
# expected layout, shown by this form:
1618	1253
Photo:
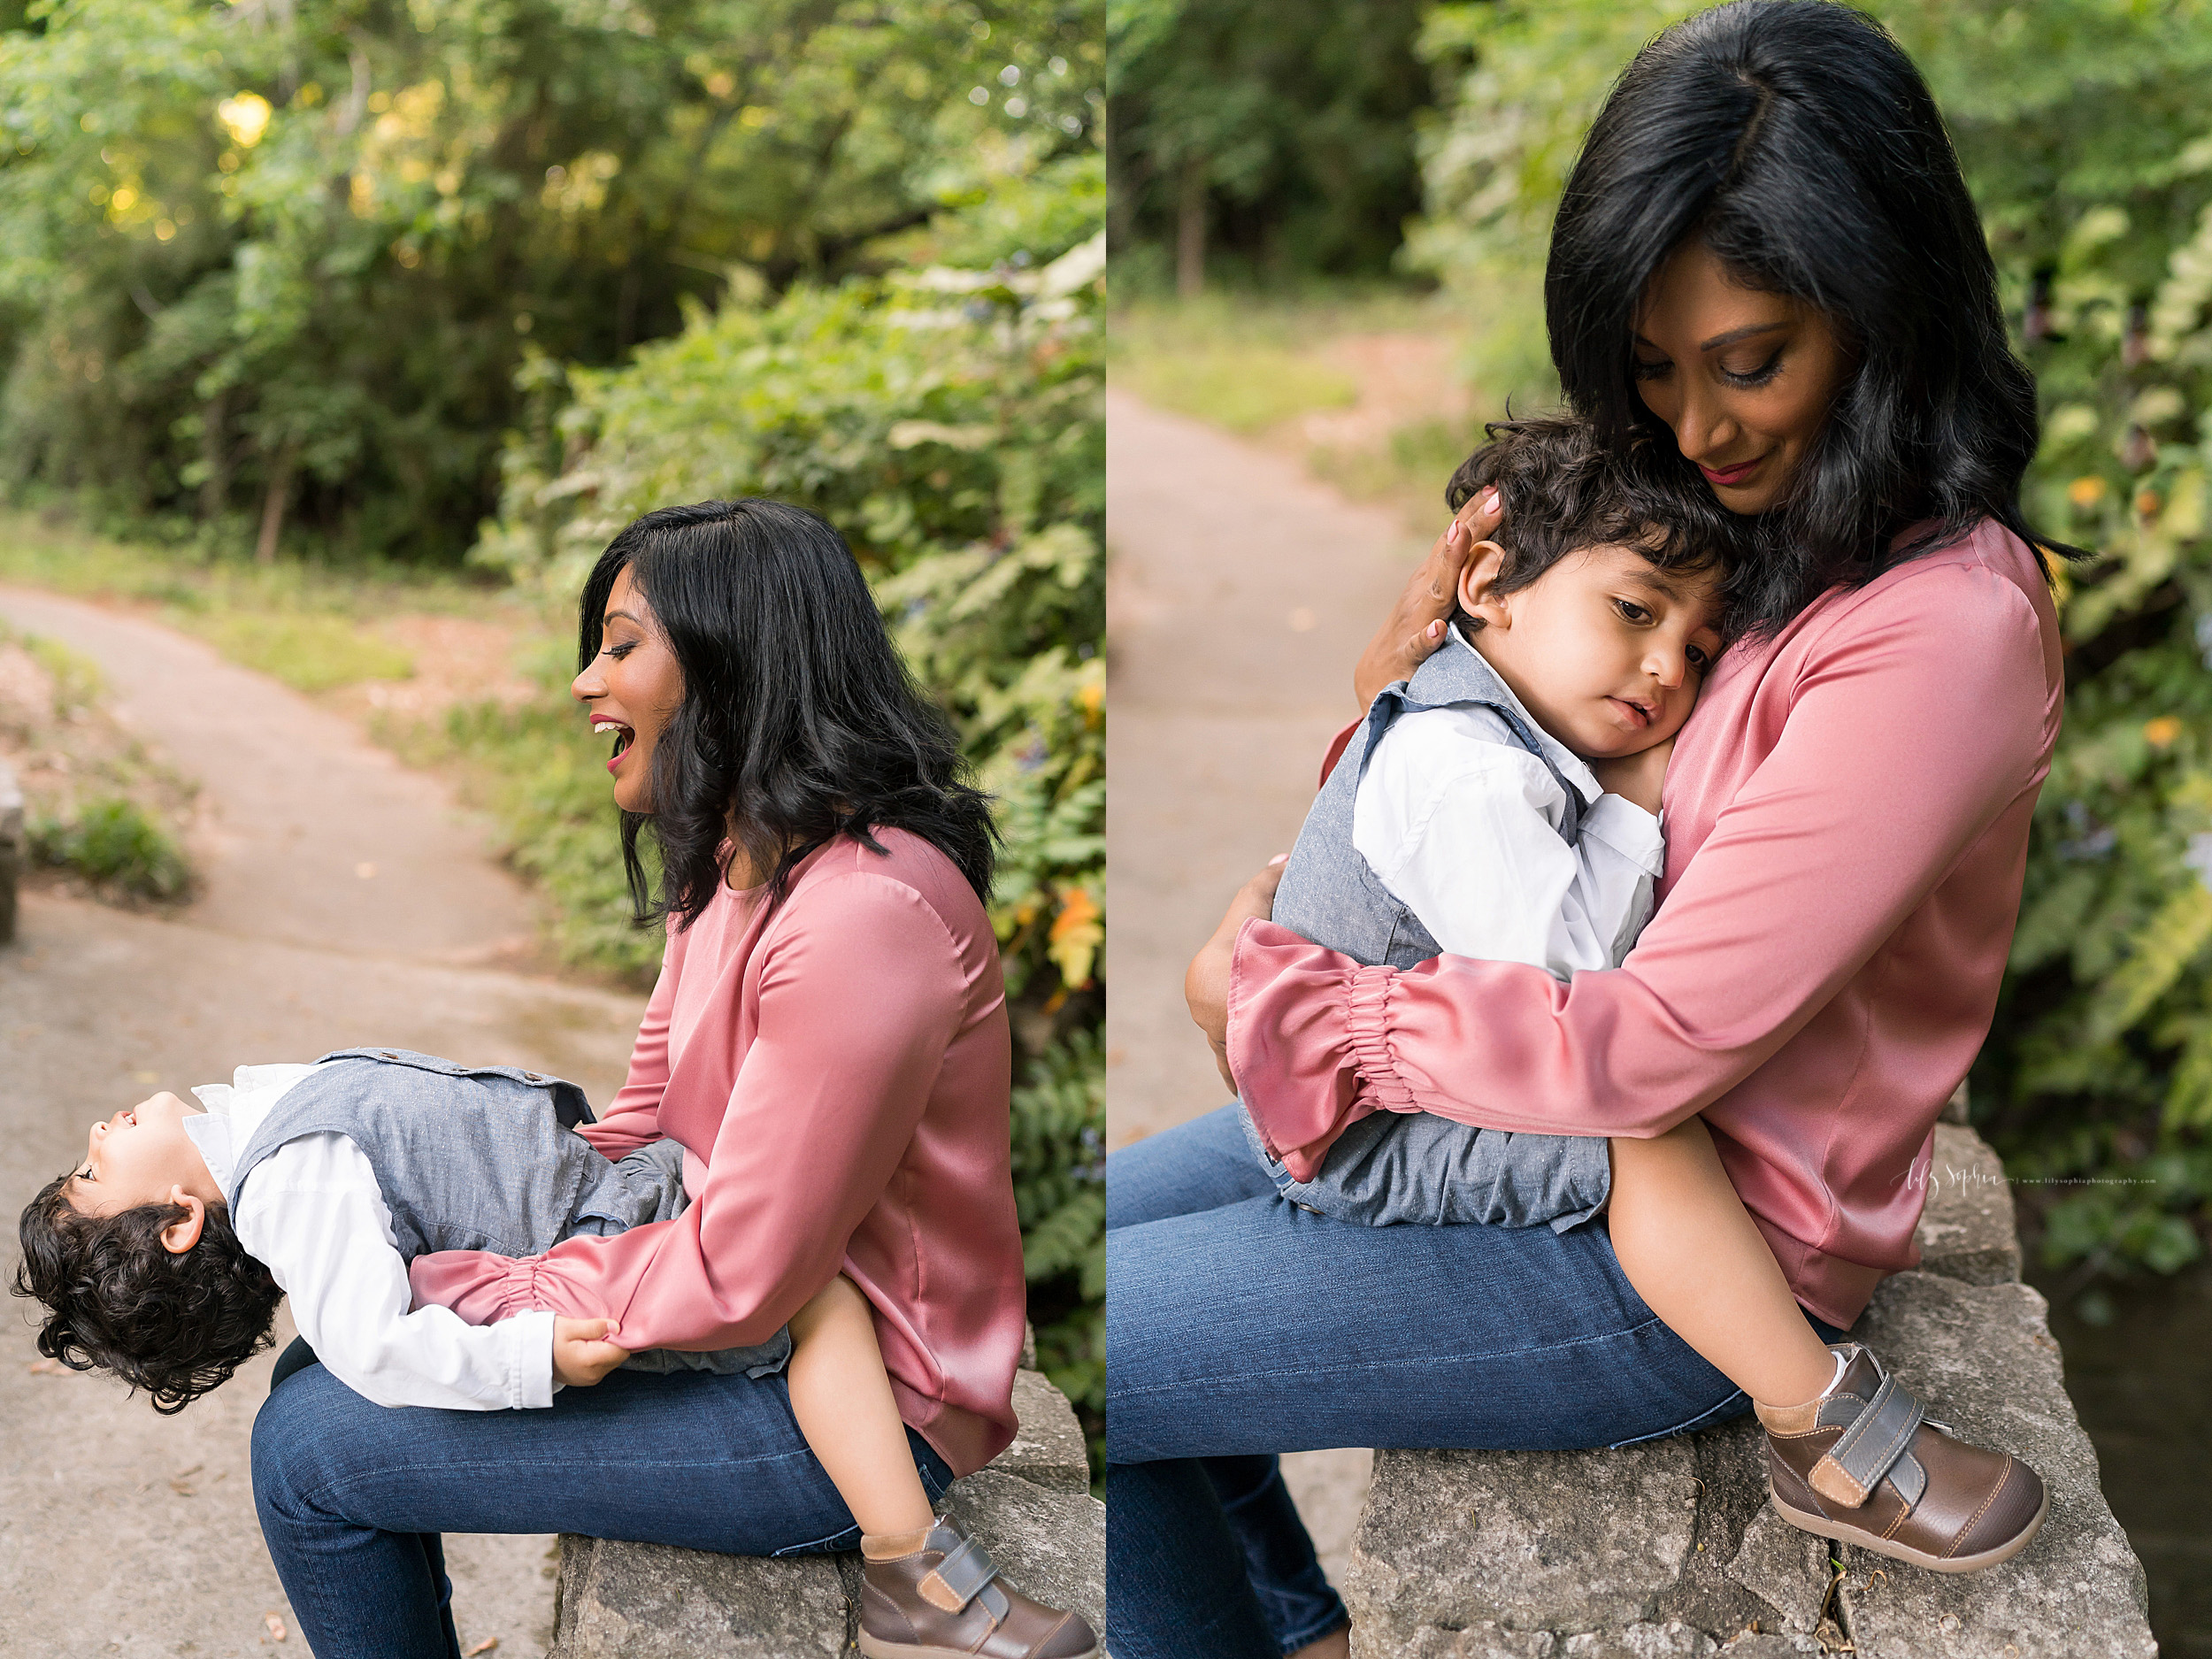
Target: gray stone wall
1672	1547
1032	1508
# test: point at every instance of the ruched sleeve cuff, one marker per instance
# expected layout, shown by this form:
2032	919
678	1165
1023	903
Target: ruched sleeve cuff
483	1288
1306	1027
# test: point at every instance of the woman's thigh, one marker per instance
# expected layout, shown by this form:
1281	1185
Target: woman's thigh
1201	1164
1259	1327
690	1458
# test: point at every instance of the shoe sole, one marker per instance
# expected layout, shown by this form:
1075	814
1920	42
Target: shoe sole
876	1647
1821	1525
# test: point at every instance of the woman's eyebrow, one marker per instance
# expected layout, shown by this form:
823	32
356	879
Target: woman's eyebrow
624	615
1745	332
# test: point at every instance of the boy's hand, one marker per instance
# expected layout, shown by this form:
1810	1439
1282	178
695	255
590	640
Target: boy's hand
581	1356
1206	984
1638	776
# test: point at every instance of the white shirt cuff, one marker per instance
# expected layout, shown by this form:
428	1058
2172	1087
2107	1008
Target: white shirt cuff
529	1359
1629	831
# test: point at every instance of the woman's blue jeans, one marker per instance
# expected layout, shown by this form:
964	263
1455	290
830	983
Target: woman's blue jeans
352	1496
1239	1327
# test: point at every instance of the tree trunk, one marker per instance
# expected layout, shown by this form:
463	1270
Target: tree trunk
215	456
274	507
1190	232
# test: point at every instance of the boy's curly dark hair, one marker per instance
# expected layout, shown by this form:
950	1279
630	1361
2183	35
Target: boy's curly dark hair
1563	489
175	1323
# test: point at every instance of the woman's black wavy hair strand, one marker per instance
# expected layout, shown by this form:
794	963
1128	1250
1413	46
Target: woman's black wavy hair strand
1798	142
799	719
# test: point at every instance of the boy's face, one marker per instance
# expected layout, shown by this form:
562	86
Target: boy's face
1605	651
137	1156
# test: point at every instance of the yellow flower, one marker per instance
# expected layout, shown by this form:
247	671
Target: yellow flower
2161	731
2085	491
1078	931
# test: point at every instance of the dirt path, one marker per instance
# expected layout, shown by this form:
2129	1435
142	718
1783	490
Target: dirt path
1241	593
346	902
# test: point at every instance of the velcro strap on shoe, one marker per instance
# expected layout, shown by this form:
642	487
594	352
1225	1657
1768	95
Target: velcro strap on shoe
954	1582
1854	1465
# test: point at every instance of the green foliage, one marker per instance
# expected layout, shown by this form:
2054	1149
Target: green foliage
260	258
2085	129
949	421
113	842
1287	124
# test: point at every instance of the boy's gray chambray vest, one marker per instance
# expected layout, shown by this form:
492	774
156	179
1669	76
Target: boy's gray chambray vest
482	1158
1398	1167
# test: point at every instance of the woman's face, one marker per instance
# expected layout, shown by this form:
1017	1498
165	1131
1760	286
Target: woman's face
632	687
1744	378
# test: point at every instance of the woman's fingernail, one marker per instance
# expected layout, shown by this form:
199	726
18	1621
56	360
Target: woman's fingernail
1279	858
1436	628
1490	499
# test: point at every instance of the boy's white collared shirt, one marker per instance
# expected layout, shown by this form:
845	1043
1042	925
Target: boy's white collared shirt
314	1215
1462	825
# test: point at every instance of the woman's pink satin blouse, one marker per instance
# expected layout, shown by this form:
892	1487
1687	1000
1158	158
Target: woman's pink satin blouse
837	1069
1847	817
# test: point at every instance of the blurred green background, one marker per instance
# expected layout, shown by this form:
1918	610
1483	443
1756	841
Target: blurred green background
340	331
1331	226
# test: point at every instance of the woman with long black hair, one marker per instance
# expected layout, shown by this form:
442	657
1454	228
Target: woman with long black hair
828	1044
1766	263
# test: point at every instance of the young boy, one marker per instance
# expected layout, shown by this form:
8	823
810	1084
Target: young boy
162	1255
1503	803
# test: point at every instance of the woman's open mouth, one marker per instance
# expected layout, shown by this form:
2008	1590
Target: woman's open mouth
624	736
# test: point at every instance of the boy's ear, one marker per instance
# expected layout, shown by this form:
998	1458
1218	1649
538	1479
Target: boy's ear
1478	586
180	1236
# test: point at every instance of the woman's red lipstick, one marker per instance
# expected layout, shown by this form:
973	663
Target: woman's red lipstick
1727	477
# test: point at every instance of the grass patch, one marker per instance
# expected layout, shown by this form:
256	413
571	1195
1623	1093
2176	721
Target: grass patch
113	842
308	650
1245	388
77	680
309	625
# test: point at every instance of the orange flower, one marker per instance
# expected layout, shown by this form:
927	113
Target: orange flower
1078	931
2085	491
2161	731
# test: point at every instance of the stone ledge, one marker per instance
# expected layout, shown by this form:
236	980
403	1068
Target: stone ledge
1032	1508
1671	1547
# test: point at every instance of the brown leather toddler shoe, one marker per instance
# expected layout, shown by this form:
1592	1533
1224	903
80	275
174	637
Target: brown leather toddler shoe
947	1602
1861	1465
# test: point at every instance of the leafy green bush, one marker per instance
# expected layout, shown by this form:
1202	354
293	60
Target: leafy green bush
255	264
113	842
949	422
2085	129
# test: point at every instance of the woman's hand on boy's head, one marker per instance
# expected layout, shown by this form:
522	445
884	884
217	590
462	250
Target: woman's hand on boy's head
581	1356
1415	628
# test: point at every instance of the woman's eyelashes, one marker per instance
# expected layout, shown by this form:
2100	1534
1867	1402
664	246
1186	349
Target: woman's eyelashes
1759	376
1658	369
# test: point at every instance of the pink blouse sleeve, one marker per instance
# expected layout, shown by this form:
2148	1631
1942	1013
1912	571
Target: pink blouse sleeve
1912	728
861	992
